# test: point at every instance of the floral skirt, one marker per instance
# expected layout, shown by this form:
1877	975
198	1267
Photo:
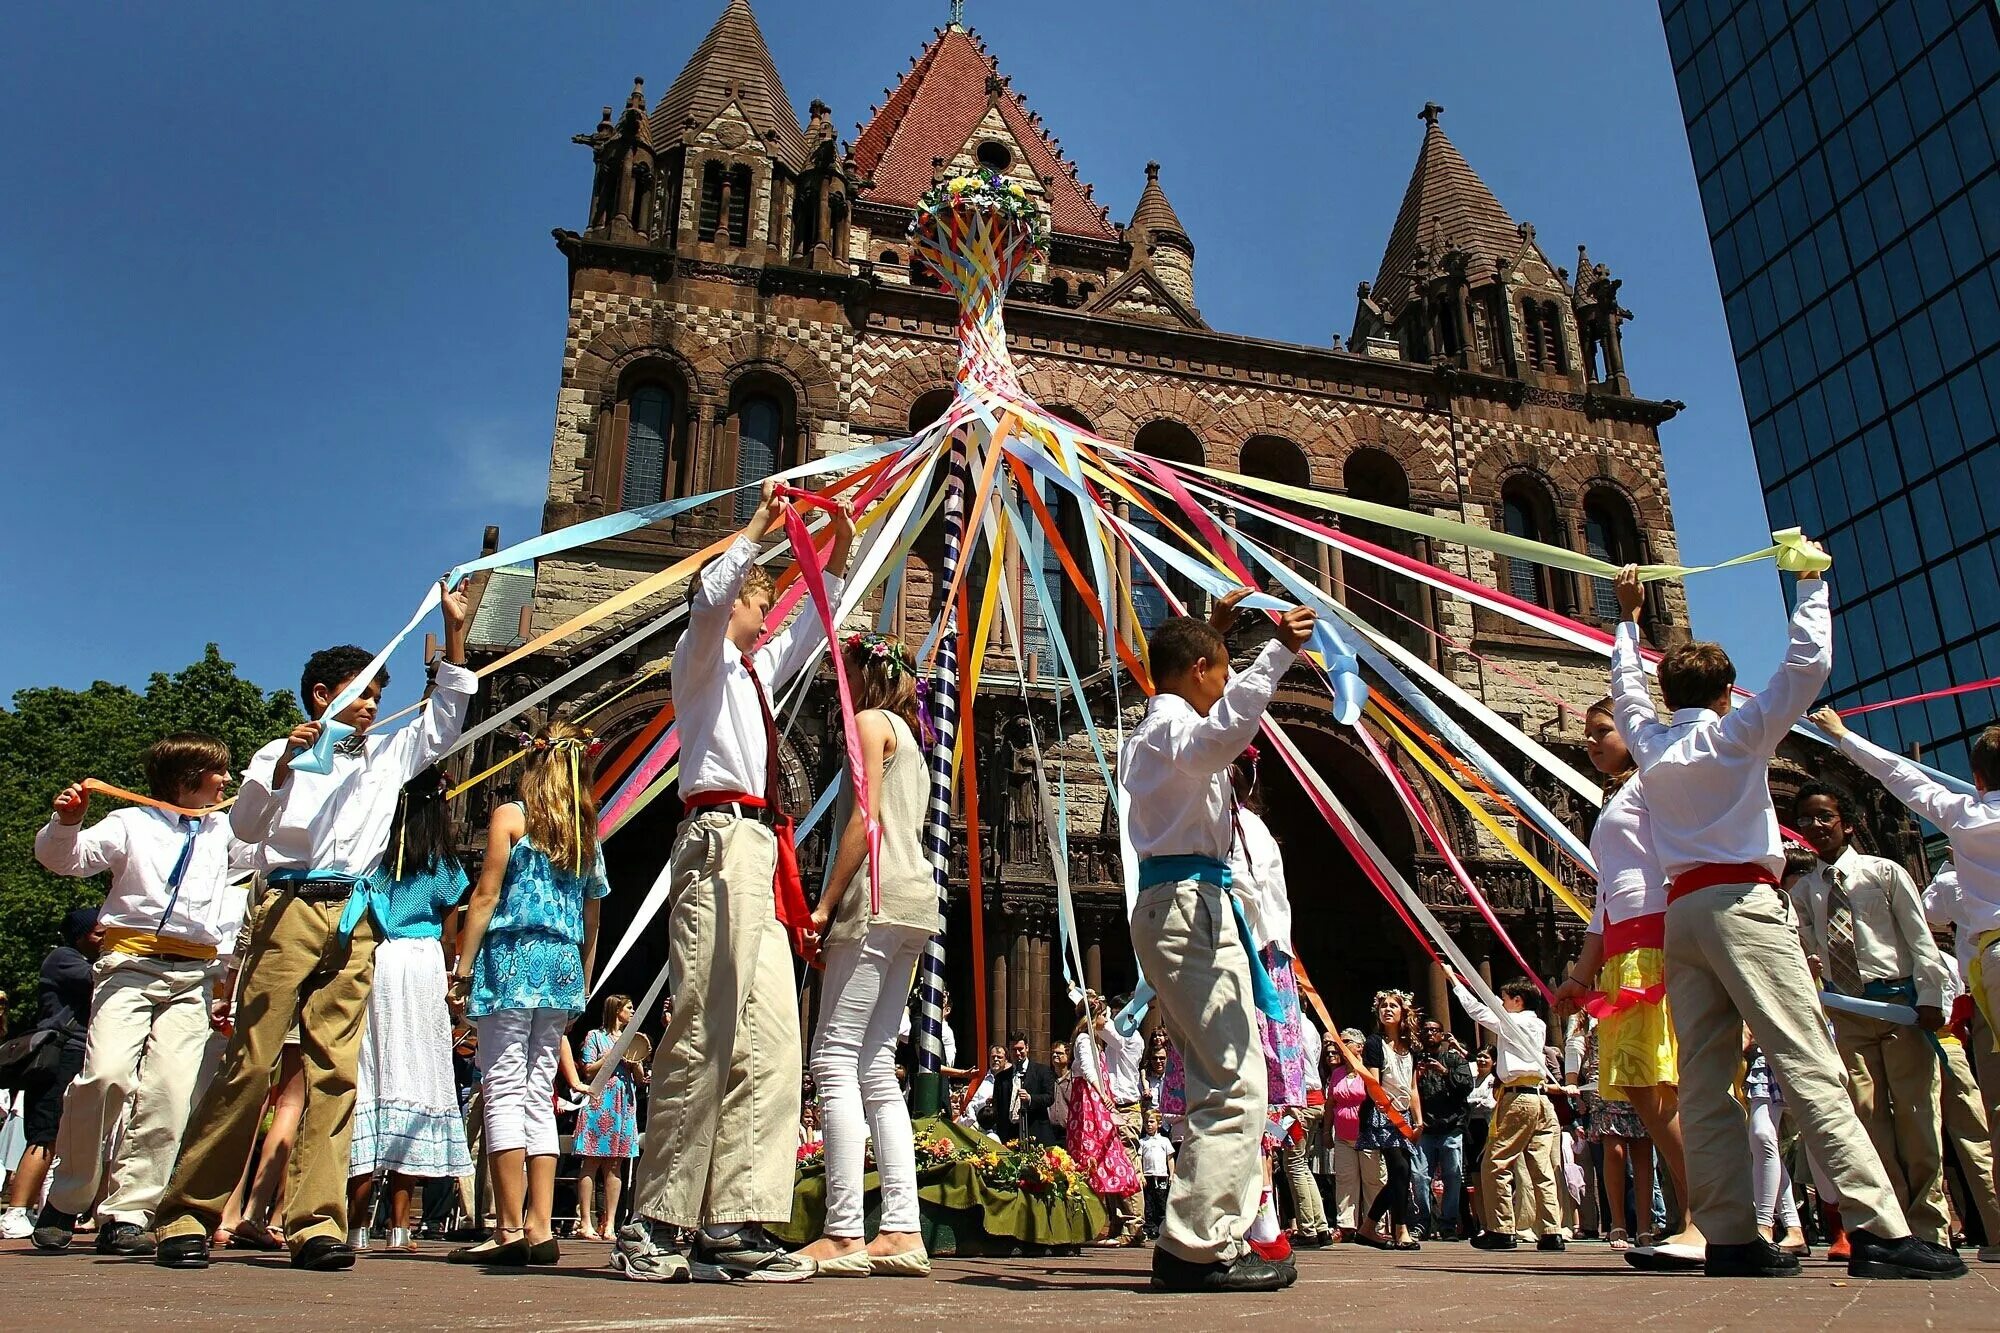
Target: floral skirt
1094	1143
1284	1051
1635	1030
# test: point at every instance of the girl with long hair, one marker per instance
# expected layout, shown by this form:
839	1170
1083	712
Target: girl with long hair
1620	974
1388	1057
871	955
524	968
607	1126
406	1116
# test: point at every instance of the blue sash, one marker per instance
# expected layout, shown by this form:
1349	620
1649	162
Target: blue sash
1208	870
367	895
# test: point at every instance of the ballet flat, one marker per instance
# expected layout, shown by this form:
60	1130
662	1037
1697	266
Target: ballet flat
857	1264
910	1263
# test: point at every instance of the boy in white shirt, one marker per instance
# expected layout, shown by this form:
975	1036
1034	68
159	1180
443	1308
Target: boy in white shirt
167	914
1732	953
725	1075
1525	1128
1156	1166
311	953
1173	776
1862	927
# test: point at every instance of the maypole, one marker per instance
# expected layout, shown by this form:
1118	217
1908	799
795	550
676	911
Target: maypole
976	232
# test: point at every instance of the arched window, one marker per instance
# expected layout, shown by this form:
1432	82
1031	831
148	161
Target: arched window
760	434
650	417
1274	458
928	408
890	259
739	205
1393	603
711	200
1612	535
1526	511
1175	443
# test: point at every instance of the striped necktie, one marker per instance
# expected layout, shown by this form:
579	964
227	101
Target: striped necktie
1843	967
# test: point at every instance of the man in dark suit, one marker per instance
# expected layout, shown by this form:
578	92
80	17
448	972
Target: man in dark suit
1022	1095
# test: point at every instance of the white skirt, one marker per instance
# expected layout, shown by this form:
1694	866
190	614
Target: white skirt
406	1116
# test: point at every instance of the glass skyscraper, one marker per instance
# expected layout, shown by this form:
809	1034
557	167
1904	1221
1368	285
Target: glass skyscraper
1845	151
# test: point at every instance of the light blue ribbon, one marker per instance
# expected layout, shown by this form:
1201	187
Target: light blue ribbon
365	897
1207	869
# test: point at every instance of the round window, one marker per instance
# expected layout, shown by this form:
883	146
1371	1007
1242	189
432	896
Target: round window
994	155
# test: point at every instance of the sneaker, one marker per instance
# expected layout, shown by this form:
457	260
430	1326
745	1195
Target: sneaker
126	1238
750	1254
1248	1273
1496	1240
1906	1257
1552	1244
1759	1258
646	1252
54	1229
16	1224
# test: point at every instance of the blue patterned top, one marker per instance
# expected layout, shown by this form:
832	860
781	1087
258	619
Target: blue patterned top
414	908
531	955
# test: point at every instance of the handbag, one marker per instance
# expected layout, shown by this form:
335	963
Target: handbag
28	1056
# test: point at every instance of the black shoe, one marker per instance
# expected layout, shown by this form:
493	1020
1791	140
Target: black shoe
1552	1244
1496	1240
1249	1273
323	1254
544	1253
509	1254
1312	1240
1759	1258
182	1252
126	1238
53	1229
1906	1257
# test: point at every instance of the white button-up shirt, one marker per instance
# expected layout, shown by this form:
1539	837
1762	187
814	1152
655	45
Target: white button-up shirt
1891	939
140	846
340	821
1175	764
1518	1039
1944	907
1706	784
723	747
1971	822
1629	883
1122	1055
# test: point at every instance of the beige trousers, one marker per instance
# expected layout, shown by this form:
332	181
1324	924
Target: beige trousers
1524	1131
295	970
1968	1126
1184	934
148	1027
1733	959
1128	1215
723	1132
1892	1077
1356	1177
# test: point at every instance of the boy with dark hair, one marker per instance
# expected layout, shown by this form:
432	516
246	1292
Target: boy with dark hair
725	1100
1862	926
1524	1127
311	954
168	912
1194	949
1732	953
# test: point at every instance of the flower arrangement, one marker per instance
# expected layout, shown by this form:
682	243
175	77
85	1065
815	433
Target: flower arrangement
812	1154
982	189
936	1151
1047	1173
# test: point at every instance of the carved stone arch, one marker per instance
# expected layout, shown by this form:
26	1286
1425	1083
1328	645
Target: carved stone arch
601	365
618	724
1363	429
1241	422
1050	381
811	378
1166	400
908	380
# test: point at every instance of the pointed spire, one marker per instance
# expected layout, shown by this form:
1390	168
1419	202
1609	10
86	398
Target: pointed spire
1154	213
1445	198
732	64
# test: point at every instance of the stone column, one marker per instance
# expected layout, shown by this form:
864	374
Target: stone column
1093	966
1038	996
1439	1001
996	1007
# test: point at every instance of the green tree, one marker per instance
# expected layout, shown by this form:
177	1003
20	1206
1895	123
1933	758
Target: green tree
54	736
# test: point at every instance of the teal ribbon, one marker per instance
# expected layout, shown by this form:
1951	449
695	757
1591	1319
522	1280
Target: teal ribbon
1901	991
367	896
1207	869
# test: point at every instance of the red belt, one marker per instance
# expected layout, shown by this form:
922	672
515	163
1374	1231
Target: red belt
705	800
1639	932
1707	877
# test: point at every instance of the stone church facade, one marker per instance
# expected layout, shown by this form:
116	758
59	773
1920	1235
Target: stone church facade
741	298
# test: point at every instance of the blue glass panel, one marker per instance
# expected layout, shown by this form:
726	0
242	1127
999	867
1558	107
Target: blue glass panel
760	424
650	428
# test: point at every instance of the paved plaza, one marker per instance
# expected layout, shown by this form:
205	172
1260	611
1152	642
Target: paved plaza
1446	1286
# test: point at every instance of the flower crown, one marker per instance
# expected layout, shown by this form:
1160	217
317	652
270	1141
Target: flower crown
880	649
584	744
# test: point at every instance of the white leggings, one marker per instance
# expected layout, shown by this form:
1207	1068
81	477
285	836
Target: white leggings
854	1067
517	1059
1772	1181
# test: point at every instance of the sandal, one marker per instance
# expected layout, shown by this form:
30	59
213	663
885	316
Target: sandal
1619	1240
265	1240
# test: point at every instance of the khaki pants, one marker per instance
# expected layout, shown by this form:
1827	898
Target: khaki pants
1184	934
1969	1128
1892	1078
295	970
1357	1176
1307	1206
722	1137
139	1007
1128	1215
1732	959
1524	1131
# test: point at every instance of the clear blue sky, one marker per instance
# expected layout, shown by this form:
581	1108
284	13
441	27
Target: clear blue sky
283	319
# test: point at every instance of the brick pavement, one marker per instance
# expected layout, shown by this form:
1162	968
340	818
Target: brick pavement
1446	1286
